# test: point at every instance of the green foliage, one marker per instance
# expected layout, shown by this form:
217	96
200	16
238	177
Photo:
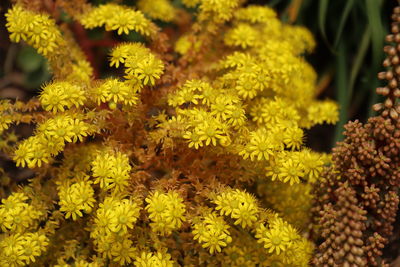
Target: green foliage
356	28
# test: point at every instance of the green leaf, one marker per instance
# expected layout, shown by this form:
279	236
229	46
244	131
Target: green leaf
28	60
96	34
373	8
341	90
34	80
322	12
133	37
343	19
273	3
359	59
375	22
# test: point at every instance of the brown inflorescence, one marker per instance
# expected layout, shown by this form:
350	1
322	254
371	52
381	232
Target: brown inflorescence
342	228
358	201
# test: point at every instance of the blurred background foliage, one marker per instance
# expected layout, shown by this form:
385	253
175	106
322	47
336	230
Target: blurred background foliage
350	38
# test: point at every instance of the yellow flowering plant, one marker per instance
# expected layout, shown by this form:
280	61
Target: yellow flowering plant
191	154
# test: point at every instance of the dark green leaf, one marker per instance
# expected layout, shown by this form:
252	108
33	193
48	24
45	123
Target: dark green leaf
343	19
359	59
374	20
323	8
377	36
28	60
273	2
341	90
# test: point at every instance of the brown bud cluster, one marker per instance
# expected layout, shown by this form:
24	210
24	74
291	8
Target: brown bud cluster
342	229
357	204
391	75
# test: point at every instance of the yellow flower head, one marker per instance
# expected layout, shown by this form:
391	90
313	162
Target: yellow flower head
166	211
212	232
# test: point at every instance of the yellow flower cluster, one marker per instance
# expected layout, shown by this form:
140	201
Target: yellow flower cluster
293	166
267	100
113	220
191	3
5	117
141	66
323	111
61	95
76	198
50	140
115	92
156	182
81	71
158	9
111	170
16	215
293	203
217	10
116	17
19	246
239	205
211	123
22	249
166	211
38	30
183	45
149	259
284	242
238	255
256	14
212	232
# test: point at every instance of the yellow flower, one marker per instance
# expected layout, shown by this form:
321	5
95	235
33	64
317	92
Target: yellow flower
222	107
124	252
59	95
247	86
149	259
105	218
218	10
290	171
134	51
211	132
38	30
191	3
23	153
261	146
111	170
149	69
126	214
12	251
237	59
19	22
313	164
193	139
158	9
275	239
293	137
212	232
32	152
117	17
255	14
323	111
113	90
166	211
32	248
242	35
81	71
240	205
76	198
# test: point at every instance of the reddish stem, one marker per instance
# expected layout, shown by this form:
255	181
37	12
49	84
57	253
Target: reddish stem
86	44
